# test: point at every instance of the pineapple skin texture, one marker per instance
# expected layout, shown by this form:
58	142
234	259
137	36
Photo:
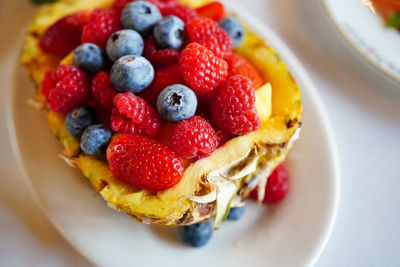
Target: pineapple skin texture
241	160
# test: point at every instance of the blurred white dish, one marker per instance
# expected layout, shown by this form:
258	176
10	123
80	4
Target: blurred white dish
366	33
290	234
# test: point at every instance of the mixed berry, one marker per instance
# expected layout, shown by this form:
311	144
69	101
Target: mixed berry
143	65
277	187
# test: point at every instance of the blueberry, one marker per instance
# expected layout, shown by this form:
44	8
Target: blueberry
235	213
95	139
234	29
196	235
90	58
78	119
140	16
176	103
124	42
131	74
169	32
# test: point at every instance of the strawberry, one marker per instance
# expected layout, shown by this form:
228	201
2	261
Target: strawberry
143	162
214	10
64	35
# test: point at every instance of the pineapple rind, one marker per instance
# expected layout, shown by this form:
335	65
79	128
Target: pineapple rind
178	205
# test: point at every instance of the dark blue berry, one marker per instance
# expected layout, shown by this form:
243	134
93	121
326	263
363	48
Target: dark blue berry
78	119
176	103
235	213
169	32
131	74
90	58
124	42
140	16
234	29
95	139
196	235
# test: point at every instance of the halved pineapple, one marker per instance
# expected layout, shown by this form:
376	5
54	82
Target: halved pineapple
209	186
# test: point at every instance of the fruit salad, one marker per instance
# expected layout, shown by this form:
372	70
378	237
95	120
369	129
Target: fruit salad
390	12
174	110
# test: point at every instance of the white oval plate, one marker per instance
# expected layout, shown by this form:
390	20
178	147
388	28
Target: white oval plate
290	234
364	30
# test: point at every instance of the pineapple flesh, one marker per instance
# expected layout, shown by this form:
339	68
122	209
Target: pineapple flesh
210	186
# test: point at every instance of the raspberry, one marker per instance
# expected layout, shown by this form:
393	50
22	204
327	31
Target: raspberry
194	137
185	13
277	186
201	70
102	23
213	10
206	32
143	162
121	124
159	57
65	88
133	115
232	108
64	35
162	78
240	65
102	91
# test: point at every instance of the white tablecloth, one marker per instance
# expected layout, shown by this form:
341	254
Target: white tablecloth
364	109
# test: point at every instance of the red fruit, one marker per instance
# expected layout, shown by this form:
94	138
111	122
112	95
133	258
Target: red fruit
64	35
159	57
240	65
162	78
201	69
65	88
206	32
222	137
121	124
185	13
133	115
119	5
102	23
232	108
143	162
193	138
213	10
277	186
102	91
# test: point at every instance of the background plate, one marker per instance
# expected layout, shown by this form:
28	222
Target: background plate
364	30
290	234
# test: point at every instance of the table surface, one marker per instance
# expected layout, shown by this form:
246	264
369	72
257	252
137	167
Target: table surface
364	109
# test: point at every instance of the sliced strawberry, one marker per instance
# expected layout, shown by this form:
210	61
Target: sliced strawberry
213	10
64	35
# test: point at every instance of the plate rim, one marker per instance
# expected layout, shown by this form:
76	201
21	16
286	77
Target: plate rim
284	52
289	58
10	122
355	48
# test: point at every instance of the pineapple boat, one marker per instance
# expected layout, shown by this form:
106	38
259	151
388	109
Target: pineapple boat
242	154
